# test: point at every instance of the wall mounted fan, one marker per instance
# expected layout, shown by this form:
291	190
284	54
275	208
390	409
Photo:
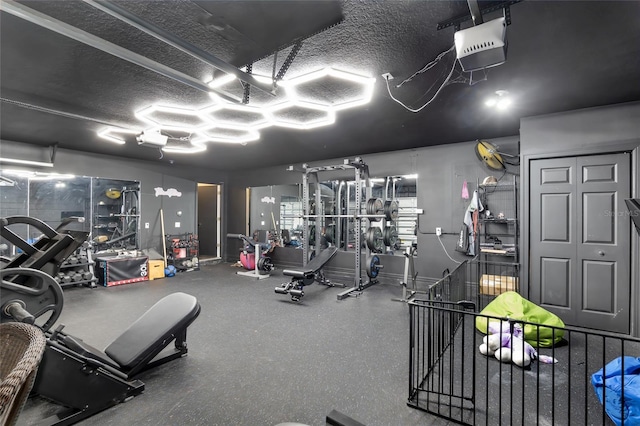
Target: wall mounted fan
492	158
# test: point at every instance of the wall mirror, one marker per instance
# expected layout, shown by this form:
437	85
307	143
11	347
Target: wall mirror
110	206
275	212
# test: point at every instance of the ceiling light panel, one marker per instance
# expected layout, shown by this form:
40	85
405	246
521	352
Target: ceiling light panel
116	134
227	134
301	115
234	86
166	115
194	148
304	102
331	87
246	116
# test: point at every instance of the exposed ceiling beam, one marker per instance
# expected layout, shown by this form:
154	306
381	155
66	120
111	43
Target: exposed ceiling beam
180	44
77	34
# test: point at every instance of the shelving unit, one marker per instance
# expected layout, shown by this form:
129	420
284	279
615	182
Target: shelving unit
183	252
497	242
115	215
78	269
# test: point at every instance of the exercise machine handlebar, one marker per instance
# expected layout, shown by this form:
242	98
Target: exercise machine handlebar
245	238
16	310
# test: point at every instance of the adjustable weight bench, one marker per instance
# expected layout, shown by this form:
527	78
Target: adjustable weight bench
87	380
310	273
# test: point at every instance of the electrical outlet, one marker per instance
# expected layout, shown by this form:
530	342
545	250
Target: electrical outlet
438	231
387	76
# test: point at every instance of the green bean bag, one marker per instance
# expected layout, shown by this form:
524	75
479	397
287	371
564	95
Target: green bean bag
513	306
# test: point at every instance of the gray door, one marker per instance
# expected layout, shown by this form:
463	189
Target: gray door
580	239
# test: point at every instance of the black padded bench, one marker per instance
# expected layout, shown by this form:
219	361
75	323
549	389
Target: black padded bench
86	380
134	350
167	320
312	272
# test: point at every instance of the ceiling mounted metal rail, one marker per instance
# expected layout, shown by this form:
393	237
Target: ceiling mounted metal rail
488	8
45	21
476	15
180	44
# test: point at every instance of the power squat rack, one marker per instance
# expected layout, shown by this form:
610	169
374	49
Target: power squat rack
361	175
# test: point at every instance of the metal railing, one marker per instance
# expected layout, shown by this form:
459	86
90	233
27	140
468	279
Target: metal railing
449	376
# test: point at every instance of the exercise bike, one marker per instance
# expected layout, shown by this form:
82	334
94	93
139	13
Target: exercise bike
253	257
73	374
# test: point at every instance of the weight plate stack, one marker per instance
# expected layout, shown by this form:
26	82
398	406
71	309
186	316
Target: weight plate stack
374	239
391	210
375	206
390	236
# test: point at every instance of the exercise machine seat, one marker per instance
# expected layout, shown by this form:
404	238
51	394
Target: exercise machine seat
314	266
146	337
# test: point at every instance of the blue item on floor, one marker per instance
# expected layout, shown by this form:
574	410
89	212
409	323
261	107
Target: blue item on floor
170	271
620	377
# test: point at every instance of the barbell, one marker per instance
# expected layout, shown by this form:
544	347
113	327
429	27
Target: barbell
375	209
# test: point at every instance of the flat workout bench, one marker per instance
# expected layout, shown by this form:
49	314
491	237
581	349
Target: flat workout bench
312	272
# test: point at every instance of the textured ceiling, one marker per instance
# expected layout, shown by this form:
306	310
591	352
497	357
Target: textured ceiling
562	55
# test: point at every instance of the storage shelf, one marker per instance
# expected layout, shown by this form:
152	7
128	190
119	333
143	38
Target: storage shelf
500	221
501	200
75	265
72	283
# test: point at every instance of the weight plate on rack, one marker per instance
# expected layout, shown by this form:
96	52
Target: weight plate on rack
373	266
374	206
390	236
391	210
374	239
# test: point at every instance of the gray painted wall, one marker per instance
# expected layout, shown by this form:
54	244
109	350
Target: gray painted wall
590	131
441	172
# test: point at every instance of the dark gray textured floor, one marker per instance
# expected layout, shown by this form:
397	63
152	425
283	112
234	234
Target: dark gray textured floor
256	358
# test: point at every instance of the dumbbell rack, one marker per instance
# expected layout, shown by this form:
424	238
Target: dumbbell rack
78	269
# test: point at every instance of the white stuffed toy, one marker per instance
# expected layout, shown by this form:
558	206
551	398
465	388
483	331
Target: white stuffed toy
509	346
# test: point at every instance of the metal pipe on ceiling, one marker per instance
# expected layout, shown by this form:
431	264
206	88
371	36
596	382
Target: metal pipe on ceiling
180	44
45	21
476	15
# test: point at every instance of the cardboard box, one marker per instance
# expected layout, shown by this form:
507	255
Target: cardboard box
494	285
156	269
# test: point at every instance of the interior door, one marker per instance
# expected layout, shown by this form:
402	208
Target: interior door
208	219
580	241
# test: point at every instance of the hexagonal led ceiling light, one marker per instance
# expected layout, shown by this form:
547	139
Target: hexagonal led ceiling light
360	88
167	115
115	134
300	105
258	98
296	115
243	116
226	133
